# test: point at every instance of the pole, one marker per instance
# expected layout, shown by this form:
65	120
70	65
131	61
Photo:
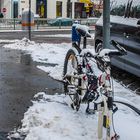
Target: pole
29	19
0	6
14	23
106	23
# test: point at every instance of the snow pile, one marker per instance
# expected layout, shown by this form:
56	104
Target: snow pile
44	53
50	118
120	20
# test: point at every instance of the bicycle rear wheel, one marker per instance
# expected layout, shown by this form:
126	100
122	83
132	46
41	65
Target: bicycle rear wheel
70	73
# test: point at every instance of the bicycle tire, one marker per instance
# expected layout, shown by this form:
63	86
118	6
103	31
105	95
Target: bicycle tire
129	105
71	52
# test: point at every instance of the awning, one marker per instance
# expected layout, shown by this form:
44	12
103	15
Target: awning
86	1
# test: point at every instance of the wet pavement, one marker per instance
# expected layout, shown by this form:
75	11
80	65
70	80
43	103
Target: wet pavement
40	36
20	80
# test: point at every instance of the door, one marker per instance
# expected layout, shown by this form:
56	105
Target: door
117	28
132	40
41	8
69	9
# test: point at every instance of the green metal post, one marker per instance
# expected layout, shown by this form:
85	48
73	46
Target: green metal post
60	24
14	24
37	23
106	23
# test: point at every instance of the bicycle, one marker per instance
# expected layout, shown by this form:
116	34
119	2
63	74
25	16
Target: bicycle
83	86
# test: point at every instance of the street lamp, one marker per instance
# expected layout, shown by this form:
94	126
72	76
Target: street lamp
29	19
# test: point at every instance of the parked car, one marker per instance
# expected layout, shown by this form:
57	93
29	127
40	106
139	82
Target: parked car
91	21
125	29
60	21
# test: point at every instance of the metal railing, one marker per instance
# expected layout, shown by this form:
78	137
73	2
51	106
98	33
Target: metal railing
16	24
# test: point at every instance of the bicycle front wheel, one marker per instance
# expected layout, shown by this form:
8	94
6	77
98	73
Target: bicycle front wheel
71	70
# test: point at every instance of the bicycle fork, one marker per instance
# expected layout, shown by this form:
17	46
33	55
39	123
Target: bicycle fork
105	109
104	120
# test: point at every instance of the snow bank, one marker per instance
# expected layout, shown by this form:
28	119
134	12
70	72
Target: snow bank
50	118
44	53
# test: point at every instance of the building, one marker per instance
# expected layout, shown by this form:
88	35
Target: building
47	8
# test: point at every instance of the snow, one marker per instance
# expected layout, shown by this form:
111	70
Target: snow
119	20
56	35
82	27
61	35
9	41
51	118
44	53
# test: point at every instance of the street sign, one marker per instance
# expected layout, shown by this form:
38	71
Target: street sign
4	10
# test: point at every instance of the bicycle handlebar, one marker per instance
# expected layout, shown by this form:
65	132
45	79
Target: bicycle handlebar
119	51
119	47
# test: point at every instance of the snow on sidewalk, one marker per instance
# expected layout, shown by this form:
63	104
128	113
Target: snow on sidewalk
53	121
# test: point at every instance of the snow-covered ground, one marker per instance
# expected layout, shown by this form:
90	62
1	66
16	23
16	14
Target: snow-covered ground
60	35
50	118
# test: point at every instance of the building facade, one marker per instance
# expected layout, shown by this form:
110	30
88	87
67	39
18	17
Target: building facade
48	8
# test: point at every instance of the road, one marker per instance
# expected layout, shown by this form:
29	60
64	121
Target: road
35	35
39	36
20	80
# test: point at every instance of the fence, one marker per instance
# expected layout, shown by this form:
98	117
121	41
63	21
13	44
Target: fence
15	24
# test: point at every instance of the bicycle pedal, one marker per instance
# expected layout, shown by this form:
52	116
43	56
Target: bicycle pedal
115	109
88	98
115	137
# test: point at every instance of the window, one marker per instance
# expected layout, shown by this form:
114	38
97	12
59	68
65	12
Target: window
79	9
135	12
58	9
41	8
118	7
15	9
69	9
22	1
119	10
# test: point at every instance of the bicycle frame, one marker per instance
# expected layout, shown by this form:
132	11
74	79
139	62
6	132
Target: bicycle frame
104	89
97	90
